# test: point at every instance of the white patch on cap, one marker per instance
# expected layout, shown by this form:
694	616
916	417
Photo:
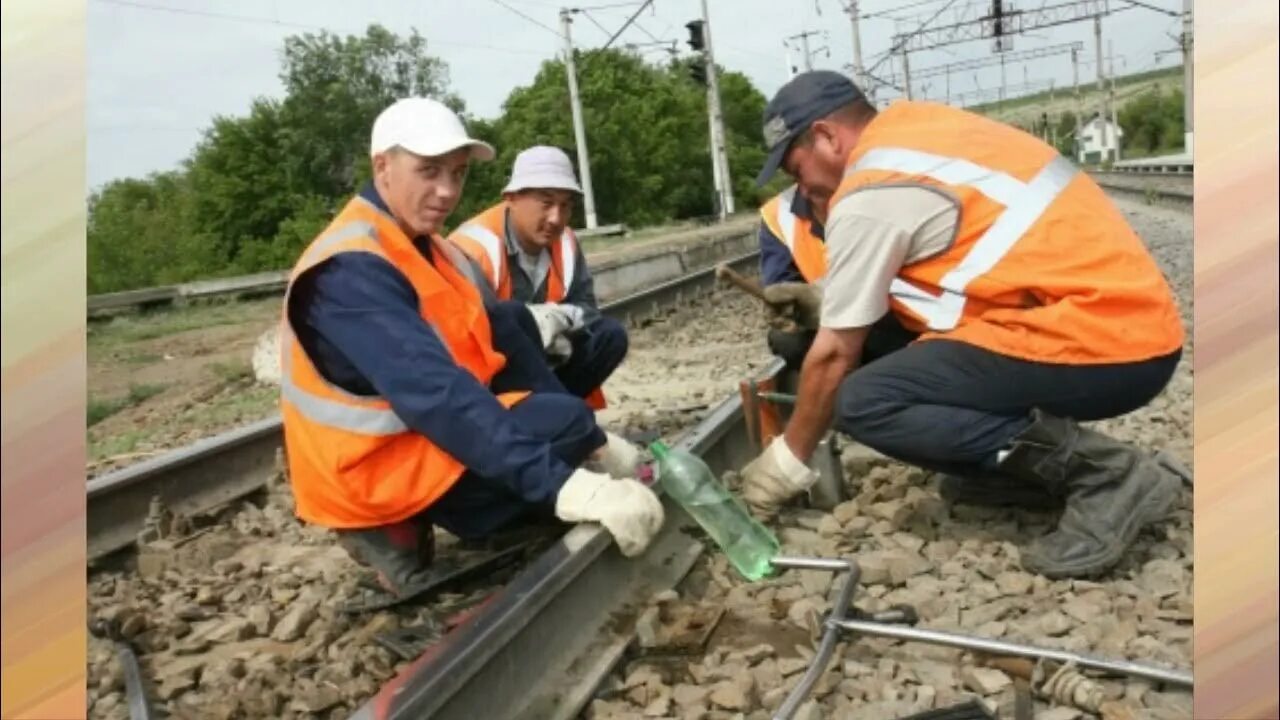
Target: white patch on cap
775	131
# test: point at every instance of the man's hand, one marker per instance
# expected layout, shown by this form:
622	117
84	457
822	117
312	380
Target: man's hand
793	305
554	321
631	512
618	458
773	478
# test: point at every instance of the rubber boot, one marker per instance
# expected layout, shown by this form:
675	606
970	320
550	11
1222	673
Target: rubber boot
998	491
1112	489
790	346
400	554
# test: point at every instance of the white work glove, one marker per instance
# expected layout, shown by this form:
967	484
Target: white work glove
793	305
554	322
774	477
559	351
618	458
551	320
631	512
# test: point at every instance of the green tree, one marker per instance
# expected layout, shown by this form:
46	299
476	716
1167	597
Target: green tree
142	233
260	179
1066	133
258	187
335	87
1153	122
647	140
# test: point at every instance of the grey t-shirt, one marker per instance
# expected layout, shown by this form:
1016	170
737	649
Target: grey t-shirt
535	266
870	235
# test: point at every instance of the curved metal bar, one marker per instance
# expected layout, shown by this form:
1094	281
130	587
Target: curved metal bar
829	638
999	647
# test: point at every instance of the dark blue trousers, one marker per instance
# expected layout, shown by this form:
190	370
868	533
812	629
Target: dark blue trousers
949	406
477	506
598	350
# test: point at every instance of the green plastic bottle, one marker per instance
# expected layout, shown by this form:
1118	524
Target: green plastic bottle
749	545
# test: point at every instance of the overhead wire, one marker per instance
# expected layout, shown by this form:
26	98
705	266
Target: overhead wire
260	20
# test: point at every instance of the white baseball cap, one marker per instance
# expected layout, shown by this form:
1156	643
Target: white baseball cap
424	127
542	168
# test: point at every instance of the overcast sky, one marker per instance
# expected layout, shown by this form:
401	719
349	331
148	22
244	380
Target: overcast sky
159	70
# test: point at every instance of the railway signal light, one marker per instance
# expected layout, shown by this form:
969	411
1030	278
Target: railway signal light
696	40
698	71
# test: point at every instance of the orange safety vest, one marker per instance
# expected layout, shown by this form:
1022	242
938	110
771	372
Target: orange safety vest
352	461
483	238
807	249
1044	267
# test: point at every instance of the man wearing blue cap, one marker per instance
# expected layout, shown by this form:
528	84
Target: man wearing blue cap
981	295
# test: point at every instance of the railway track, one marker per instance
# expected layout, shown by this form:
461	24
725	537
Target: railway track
1173	189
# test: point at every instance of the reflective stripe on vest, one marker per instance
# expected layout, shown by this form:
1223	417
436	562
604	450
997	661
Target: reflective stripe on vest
494	249
488	231
1024	204
808	251
1042	266
568	263
786	218
352	461
363	420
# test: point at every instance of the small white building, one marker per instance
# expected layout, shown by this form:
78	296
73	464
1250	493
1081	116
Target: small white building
1097	141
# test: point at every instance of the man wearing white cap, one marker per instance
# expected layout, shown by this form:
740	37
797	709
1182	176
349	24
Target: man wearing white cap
528	253
409	400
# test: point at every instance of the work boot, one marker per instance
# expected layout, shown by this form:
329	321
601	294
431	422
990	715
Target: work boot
400	554
996	490
1112	489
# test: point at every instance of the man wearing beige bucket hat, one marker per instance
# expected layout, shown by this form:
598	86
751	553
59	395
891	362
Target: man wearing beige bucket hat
529	254
411	400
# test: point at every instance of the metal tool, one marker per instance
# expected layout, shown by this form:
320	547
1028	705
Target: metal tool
135	690
894	623
743	283
829	490
777	397
829	637
999	647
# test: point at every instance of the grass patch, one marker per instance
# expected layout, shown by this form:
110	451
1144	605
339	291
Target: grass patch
114	445
229	410
163	322
99	409
218	414
232	371
140	358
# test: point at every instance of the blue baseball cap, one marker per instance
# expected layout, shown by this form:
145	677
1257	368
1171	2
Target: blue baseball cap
805	98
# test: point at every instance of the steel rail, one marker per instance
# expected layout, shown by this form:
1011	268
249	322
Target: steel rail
547	639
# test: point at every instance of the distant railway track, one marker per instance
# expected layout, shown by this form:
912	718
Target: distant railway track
613	278
1174	189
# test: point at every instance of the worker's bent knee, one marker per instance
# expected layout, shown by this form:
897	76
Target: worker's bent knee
865	407
564	421
611	339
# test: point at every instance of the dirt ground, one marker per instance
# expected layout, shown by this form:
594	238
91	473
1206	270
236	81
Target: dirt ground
163	379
